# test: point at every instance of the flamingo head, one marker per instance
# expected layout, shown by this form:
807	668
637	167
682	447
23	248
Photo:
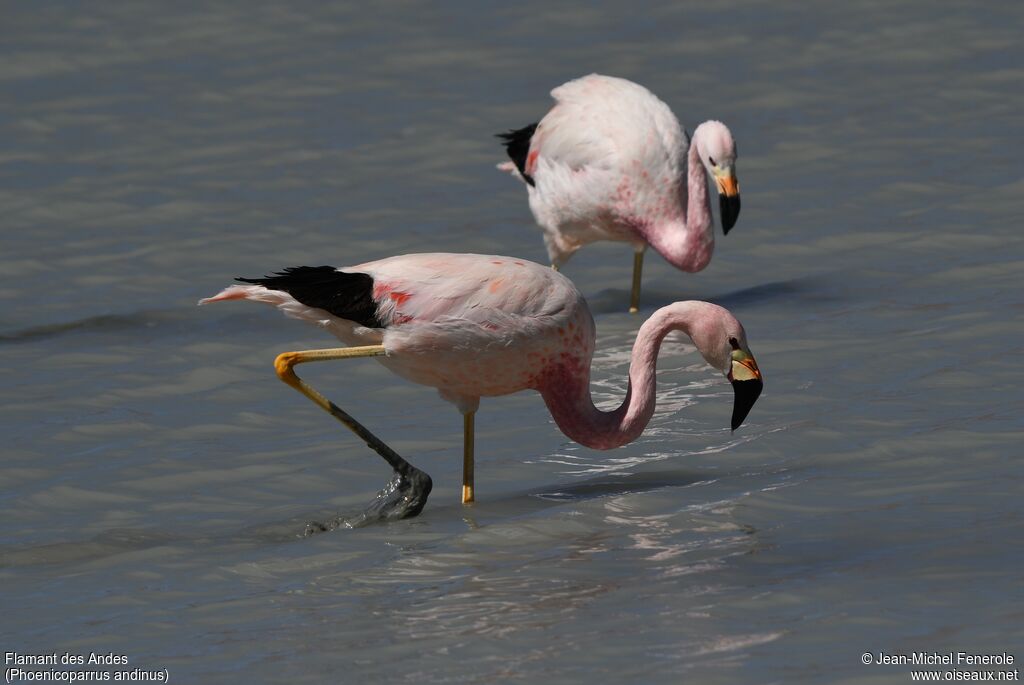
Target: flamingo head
717	151
721	340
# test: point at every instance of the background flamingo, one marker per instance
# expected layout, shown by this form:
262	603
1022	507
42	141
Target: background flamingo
477	326
609	162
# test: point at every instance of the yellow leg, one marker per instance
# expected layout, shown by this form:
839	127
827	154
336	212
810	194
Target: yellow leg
467	457
284	366
638	267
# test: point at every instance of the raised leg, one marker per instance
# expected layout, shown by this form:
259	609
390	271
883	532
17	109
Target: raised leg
467	457
638	267
407	491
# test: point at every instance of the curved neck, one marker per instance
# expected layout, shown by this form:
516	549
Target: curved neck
687	243
567	391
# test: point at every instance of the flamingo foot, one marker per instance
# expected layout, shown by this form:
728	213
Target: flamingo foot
403	497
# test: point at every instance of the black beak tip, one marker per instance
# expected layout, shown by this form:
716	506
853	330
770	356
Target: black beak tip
746	394
730	206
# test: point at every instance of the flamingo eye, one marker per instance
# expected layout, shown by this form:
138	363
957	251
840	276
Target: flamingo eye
712	160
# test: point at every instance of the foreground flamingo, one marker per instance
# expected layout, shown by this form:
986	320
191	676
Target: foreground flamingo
610	162
477	326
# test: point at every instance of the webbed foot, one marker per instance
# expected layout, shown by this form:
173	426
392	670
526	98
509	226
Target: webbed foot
404	496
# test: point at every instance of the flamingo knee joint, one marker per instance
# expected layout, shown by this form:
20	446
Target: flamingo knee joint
283	365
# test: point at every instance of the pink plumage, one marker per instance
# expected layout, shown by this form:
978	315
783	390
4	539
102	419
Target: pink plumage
610	161
477	326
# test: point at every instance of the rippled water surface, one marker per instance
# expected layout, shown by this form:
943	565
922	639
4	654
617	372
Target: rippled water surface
156	474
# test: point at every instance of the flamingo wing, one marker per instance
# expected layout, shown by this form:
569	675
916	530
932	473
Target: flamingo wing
579	133
517	145
420	287
344	295
435	286
475	325
604	122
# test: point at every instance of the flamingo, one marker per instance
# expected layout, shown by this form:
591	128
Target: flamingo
477	326
609	162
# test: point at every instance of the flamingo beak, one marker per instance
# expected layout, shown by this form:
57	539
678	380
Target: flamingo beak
746	384
728	198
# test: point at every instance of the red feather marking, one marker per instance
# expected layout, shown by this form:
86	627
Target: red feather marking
382	290
531	162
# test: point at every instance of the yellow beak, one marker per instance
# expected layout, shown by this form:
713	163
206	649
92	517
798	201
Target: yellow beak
727	184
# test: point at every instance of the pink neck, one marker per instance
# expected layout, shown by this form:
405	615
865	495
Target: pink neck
687	242
567	391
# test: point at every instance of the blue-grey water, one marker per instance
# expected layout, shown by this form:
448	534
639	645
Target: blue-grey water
156	474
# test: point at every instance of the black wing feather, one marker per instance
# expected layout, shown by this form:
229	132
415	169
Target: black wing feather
517	144
345	295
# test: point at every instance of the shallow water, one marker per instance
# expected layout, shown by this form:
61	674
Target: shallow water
156	474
